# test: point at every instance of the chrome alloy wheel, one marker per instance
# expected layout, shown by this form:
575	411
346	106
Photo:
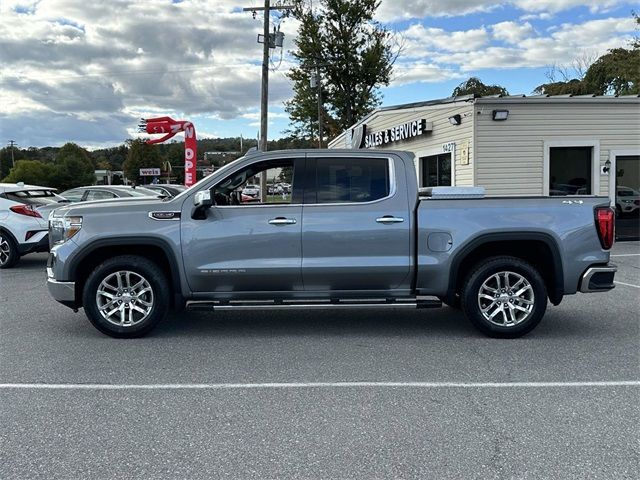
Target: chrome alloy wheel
124	298
5	250
506	299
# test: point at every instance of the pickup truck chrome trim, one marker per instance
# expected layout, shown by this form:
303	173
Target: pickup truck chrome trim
588	276
62	291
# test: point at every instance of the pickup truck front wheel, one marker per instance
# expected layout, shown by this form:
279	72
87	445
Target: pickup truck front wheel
126	296
504	297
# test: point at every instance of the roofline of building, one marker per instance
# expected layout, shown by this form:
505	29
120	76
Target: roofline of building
472	98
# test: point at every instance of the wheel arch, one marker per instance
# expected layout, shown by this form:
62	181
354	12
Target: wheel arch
8	232
154	249
537	248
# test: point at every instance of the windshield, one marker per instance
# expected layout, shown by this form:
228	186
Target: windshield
141	192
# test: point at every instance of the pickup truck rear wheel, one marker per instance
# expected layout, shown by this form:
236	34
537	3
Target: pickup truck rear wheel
126	296
504	297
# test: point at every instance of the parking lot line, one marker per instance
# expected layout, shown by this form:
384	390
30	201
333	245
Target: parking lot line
627	255
298	385
626	284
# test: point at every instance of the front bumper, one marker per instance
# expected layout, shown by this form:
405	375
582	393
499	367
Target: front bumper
598	278
63	292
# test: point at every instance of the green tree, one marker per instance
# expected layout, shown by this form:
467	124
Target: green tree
574	86
73	167
32	172
5	159
354	56
140	155
616	72
474	86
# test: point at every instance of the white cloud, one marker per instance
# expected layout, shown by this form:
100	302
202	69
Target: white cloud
392	10
562	47
422	72
536	16
420	40
74	58
512	32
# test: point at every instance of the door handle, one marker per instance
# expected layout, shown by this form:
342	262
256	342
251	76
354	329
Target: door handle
389	219
282	221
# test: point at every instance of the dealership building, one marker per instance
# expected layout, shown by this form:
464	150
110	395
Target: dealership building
514	145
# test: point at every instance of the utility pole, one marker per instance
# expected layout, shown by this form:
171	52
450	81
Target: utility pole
12	144
267	44
320	132
264	96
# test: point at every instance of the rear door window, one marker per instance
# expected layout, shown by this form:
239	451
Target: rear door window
352	180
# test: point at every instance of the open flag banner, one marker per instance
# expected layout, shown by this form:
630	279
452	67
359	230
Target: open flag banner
170	127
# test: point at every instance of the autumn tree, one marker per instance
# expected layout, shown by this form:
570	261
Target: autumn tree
354	56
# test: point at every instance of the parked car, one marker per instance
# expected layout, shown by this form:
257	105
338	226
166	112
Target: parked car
357	233
251	190
168	190
23	220
106	192
627	200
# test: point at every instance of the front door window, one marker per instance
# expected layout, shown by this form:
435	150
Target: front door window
262	183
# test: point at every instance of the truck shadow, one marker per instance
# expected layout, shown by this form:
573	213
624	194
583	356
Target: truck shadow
445	321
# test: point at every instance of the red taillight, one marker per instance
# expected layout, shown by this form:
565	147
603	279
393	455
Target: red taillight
27	210
605	224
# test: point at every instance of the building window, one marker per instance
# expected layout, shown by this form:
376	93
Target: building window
436	170
570	171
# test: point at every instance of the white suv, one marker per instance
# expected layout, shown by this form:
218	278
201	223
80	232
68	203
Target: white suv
24	210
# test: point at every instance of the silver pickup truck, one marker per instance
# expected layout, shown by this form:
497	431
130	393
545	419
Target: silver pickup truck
353	232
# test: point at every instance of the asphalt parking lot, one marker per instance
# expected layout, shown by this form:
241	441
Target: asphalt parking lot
261	395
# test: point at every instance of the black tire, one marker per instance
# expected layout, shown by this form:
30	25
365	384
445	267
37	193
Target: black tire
157	295
508	306
9	255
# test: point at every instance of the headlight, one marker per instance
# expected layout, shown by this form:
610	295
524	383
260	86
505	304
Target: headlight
627	201
62	229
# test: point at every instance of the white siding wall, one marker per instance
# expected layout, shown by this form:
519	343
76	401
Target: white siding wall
443	132
509	155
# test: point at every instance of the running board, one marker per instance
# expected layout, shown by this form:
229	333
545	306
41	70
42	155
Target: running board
208	305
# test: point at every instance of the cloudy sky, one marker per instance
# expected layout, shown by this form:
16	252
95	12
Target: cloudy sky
82	71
